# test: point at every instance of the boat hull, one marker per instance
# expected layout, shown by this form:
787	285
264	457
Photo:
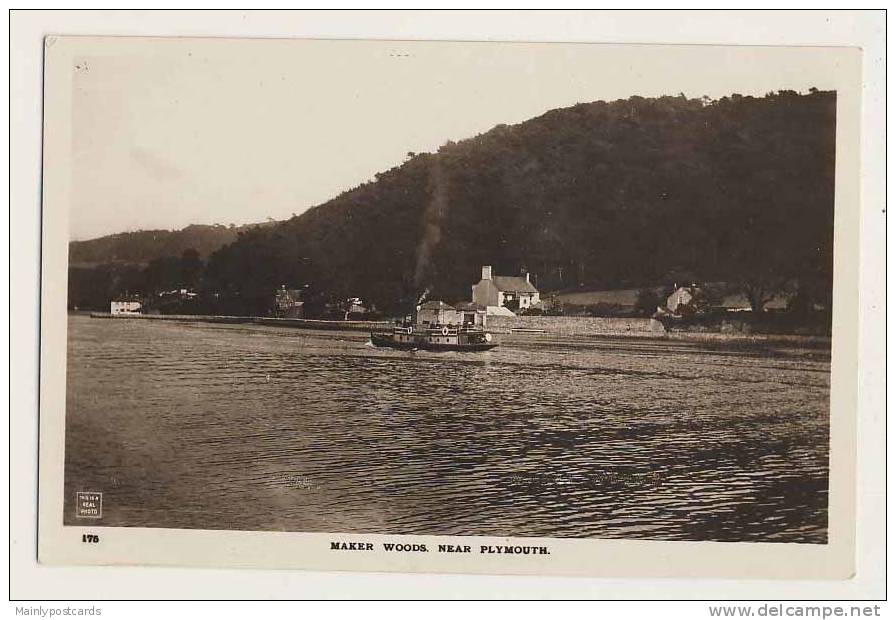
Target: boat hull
387	340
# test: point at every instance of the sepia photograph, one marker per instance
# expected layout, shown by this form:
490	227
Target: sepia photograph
527	292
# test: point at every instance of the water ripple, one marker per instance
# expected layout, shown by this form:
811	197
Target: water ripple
236	427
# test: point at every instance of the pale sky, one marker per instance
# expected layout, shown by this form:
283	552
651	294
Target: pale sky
171	132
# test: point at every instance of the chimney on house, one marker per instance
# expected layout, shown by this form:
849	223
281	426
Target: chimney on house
486	272
527	277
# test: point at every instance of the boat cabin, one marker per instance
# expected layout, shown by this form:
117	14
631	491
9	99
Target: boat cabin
438	314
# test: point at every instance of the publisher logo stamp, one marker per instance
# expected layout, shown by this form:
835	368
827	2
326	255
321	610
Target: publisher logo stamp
89	505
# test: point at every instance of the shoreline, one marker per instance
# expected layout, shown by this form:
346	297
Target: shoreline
255	320
506	330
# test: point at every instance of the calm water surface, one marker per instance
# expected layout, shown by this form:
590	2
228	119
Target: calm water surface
188	425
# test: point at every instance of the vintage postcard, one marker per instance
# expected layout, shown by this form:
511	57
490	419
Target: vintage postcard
557	309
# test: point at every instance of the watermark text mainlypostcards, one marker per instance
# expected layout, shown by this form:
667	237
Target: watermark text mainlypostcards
782	610
56	612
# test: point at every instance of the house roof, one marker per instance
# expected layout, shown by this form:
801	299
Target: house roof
436	305
514	284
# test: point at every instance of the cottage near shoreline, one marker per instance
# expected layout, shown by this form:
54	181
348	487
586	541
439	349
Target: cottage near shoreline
494	292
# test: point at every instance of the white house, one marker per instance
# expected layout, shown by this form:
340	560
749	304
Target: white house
681	298
125	306
496	292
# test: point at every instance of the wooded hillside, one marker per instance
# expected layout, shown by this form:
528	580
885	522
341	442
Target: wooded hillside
631	193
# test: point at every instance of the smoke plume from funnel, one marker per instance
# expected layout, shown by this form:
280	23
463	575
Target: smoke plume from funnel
423	296
432	222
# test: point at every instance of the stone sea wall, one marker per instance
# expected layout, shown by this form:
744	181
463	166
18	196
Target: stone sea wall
577	326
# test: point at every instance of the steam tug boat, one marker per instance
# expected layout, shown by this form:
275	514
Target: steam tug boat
437	326
435	338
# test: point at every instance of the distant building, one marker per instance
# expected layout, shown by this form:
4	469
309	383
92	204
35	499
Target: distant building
346	308
125	306
180	293
288	303
682	299
174	298
356	306
495	292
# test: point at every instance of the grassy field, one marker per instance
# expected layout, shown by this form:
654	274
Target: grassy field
629	296
621	297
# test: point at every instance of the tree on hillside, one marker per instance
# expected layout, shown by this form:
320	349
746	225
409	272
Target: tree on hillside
191	266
